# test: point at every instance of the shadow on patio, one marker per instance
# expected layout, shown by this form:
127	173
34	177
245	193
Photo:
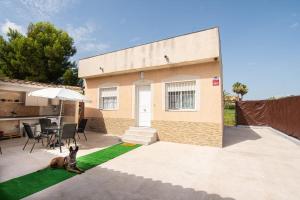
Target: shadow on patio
103	183
235	135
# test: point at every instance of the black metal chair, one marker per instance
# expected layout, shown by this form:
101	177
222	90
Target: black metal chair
45	122
81	127
31	136
68	132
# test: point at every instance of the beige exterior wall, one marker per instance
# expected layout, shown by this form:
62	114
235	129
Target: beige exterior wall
203	126
195	56
191	48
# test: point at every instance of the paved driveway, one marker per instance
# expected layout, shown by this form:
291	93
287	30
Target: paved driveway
254	164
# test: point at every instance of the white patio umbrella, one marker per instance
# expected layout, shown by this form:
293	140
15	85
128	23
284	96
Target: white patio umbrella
60	94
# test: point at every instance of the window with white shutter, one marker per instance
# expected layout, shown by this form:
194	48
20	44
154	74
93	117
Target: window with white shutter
180	95
108	98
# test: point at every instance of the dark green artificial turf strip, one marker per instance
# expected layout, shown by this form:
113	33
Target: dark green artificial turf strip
26	185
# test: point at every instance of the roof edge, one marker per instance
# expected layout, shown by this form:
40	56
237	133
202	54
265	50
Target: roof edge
37	84
213	27
181	64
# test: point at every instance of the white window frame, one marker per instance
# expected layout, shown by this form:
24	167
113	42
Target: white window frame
178	79
180	109
100	103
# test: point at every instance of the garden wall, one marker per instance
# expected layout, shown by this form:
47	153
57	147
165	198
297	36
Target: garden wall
281	114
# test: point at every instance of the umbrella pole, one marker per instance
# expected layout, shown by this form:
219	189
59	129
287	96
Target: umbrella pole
60	123
60	112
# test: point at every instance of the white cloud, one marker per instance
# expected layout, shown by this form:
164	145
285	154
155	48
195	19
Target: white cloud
294	25
9	24
45	8
81	33
6	3
84	39
135	39
90	46
36	10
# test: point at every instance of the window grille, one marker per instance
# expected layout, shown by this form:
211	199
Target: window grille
108	98
180	95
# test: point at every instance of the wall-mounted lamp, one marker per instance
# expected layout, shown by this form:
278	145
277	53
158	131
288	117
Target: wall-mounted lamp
101	69
167	58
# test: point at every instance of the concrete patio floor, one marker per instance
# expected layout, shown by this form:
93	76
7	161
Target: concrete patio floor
16	162
254	164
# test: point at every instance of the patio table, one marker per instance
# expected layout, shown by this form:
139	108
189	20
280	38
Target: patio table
59	130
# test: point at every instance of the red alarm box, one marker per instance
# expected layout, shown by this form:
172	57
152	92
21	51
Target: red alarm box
216	81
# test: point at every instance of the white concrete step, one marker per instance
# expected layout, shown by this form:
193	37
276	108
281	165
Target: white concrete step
143	133
138	140
147	129
143	139
140	135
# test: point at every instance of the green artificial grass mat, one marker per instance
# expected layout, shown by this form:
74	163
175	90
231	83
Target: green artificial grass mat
26	185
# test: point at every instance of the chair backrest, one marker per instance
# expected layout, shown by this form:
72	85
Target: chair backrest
82	125
44	123
68	131
53	124
28	130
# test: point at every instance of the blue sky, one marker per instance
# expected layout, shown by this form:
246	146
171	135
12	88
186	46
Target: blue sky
260	39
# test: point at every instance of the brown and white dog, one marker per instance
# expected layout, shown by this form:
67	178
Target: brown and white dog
68	162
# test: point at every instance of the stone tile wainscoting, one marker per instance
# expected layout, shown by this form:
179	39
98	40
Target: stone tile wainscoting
199	133
115	126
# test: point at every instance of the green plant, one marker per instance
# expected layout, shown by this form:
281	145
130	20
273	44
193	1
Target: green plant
240	89
229	105
43	54
229	117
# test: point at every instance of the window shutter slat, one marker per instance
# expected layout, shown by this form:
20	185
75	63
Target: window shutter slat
108	98
180	95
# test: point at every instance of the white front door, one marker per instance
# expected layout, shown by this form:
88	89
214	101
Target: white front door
144	105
